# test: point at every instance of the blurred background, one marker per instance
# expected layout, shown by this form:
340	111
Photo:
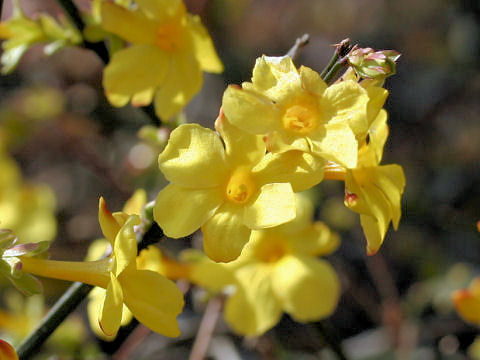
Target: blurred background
64	135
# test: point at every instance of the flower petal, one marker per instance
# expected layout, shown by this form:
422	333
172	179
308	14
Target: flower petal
95	302
132	26
311	81
183	80
274	205
307	288
253	309
204	49
224	234
161	9
300	169
179	211
154	300
338	145
241	147
316	239
107	222
250	110
136	69
125	246
194	157
111	315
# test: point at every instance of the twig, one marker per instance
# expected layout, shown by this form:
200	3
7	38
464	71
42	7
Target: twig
301	42
57	314
70	300
138	335
207	327
338	60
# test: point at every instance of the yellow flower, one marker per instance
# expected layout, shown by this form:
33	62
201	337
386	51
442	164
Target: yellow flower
467	302
295	110
277	271
169	50
372	190
152	299
27	209
228	188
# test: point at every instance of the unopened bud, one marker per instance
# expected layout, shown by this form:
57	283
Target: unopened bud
371	64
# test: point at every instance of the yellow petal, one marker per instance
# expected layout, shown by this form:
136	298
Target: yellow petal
125	246
250	111
205	272
346	102
224	234
204	49
134	70
253	308
183	80
377	97
311	81
136	202
107	222
307	288
371	154
179	211
194	158
95	303
338	145
132	26
300	169
161	9
316	239
154	300
111	315
274	205
241	147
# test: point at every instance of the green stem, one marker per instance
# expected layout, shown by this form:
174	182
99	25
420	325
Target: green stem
70	300
57	314
338	60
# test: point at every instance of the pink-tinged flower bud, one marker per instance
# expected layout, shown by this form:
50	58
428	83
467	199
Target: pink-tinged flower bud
372	64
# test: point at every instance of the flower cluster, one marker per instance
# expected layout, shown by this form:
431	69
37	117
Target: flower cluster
277	271
282	133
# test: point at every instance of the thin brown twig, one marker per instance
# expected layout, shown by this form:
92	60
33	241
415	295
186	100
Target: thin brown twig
300	43
206	329
136	338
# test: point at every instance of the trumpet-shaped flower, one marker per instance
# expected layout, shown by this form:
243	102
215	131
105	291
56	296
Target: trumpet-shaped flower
372	190
228	188
169	50
296	110
277	271
467	302
152	299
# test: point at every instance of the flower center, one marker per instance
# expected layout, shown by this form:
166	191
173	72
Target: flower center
300	118
169	35
240	187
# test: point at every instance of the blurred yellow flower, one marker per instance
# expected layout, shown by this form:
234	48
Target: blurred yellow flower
27	209
277	271
170	49
227	188
152	299
296	110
